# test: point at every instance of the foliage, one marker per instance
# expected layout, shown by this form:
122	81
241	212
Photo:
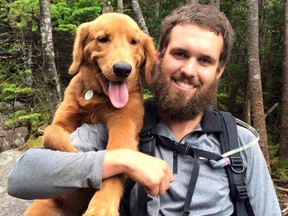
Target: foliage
21	13
16	92
279	167
19	72
33	142
21	76
67	15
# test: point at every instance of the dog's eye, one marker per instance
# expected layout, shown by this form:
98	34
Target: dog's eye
133	42
103	39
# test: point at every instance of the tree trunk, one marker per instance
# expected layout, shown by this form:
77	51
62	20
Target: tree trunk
254	77
120	6
49	69
107	8
192	1
247	106
139	16
27	55
215	3
283	139
157	8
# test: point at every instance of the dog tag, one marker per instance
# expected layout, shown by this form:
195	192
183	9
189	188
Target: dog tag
88	94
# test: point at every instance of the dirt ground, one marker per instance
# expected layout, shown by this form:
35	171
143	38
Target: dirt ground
282	191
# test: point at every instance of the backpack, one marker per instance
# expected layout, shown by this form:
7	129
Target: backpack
228	139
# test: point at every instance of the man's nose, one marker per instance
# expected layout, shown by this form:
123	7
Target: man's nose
189	67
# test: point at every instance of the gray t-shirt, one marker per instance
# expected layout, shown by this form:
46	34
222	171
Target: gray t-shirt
42	173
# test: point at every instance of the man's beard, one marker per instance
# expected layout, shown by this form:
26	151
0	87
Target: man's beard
177	107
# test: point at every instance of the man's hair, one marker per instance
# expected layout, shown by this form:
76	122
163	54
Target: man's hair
204	16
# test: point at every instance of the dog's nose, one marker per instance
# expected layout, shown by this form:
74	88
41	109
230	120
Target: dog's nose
122	70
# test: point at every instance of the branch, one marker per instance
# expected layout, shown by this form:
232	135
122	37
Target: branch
281	188
271	109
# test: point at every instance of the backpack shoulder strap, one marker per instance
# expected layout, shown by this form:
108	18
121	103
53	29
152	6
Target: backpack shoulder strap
146	145
146	139
147	142
235	172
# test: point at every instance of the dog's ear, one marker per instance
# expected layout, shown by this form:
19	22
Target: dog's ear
81	36
150	59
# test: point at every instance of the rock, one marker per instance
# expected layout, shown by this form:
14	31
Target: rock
13	138
9	206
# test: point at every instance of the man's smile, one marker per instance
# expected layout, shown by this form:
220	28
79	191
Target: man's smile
184	85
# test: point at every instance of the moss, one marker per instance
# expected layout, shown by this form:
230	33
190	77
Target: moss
279	168
33	142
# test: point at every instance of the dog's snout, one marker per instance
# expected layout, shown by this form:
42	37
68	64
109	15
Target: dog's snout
122	70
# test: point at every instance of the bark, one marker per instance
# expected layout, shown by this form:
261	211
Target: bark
49	68
139	16
254	77
107	8
120	6
283	139
27	50
157	8
192	1
215	3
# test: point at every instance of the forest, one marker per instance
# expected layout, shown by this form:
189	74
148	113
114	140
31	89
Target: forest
36	42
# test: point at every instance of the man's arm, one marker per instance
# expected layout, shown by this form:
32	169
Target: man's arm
44	173
260	187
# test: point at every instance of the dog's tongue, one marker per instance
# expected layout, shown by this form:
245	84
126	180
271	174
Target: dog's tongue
118	94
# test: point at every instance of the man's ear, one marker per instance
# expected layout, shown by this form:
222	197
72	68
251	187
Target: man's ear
220	72
158	56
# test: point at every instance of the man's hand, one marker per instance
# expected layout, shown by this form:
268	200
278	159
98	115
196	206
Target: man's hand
151	172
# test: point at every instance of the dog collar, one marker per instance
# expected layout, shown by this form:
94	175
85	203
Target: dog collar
88	94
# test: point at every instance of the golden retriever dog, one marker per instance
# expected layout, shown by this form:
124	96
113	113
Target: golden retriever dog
111	55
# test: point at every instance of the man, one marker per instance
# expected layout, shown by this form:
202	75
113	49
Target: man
195	44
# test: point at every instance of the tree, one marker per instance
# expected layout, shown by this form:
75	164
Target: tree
107	8
215	3
157	8
283	139
120	6
254	76
139	16
49	66
192	1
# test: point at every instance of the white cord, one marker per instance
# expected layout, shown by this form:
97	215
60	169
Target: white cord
244	147
225	160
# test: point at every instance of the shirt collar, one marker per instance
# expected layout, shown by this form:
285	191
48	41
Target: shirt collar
209	124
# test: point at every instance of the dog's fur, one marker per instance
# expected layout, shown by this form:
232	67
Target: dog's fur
110	49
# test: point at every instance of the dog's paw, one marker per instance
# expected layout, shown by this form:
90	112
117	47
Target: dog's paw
102	207
101	210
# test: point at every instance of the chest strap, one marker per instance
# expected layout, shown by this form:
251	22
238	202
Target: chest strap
194	153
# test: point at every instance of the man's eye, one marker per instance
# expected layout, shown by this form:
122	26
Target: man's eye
180	54
204	61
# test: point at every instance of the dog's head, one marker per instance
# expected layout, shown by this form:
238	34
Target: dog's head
118	51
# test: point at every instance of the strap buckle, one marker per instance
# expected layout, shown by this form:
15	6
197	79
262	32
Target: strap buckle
236	165
146	136
241	192
181	148
147	142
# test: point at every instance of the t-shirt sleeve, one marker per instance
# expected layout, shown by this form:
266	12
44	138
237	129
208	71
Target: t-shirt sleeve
43	173
89	137
260	187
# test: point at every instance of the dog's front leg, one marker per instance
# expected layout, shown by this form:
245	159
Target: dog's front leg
56	138
123	133
105	202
